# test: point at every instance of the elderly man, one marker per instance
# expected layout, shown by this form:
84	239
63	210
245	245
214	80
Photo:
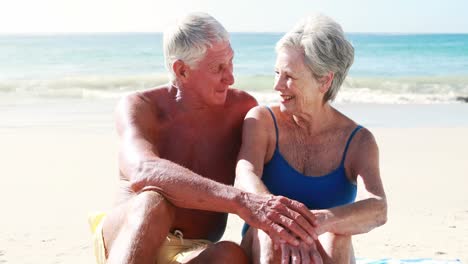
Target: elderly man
178	149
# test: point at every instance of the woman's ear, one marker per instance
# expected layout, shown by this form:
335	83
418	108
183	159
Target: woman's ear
181	70
326	82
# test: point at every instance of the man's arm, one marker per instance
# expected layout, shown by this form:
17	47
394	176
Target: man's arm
140	163
370	209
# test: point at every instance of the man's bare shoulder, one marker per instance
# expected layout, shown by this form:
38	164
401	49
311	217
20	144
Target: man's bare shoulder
155	95
141	107
147	98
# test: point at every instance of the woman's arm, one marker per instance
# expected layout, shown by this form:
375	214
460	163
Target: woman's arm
370	209
256	145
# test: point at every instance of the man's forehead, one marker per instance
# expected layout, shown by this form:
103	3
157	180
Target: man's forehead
220	51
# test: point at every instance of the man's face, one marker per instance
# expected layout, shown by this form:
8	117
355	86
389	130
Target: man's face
213	75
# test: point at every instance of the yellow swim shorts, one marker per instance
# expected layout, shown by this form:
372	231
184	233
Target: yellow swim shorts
174	250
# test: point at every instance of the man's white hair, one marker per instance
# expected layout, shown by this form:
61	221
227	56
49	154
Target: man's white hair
189	39
325	49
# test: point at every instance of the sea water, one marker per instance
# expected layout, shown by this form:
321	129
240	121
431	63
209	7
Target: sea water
388	68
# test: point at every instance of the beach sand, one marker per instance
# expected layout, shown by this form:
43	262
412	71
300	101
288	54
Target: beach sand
52	177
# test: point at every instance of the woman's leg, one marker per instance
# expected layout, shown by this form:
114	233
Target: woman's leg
259	247
336	248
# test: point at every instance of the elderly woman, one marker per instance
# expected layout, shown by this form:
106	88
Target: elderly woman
307	150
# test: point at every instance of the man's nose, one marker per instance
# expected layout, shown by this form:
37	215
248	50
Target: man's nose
228	76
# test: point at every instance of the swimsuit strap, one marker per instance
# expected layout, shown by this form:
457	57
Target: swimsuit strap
276	126
348	142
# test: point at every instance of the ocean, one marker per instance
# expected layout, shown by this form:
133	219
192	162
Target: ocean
388	68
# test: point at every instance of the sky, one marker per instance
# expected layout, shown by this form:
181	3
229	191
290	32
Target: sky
379	16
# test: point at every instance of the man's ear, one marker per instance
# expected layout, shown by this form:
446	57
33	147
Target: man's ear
181	70
326	82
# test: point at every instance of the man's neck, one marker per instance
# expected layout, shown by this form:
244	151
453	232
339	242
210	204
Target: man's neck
187	100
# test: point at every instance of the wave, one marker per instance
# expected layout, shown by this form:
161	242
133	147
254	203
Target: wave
383	90
433	89
83	86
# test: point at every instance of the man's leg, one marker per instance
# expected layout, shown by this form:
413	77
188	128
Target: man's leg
134	231
222	252
336	248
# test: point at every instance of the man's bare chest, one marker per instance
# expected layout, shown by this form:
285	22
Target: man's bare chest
195	144
208	150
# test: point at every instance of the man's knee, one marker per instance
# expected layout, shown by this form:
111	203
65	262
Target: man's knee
146	217
229	252
150	206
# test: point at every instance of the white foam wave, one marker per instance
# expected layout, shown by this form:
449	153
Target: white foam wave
364	95
84	87
421	90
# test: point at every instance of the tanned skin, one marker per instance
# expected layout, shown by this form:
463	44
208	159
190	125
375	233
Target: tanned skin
178	150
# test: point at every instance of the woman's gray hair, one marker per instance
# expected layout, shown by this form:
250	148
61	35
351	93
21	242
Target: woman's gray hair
189	39
325	49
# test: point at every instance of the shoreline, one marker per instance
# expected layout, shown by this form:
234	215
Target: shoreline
97	114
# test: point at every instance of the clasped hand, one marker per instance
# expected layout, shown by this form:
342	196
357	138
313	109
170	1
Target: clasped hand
281	218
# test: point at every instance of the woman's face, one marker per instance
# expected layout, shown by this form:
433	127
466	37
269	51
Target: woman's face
298	89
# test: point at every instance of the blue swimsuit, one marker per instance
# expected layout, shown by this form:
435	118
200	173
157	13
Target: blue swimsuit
327	191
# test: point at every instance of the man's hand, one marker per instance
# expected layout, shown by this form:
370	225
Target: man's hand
302	254
281	218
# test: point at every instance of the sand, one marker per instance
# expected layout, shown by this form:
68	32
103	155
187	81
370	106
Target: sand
53	176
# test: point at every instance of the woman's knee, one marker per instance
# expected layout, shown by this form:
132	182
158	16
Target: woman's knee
336	248
262	248
246	243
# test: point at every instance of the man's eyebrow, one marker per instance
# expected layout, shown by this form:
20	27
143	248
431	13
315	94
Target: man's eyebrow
217	60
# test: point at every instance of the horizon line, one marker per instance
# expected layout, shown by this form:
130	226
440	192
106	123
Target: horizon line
232	32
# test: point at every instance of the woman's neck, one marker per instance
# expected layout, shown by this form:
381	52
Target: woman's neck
315	119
